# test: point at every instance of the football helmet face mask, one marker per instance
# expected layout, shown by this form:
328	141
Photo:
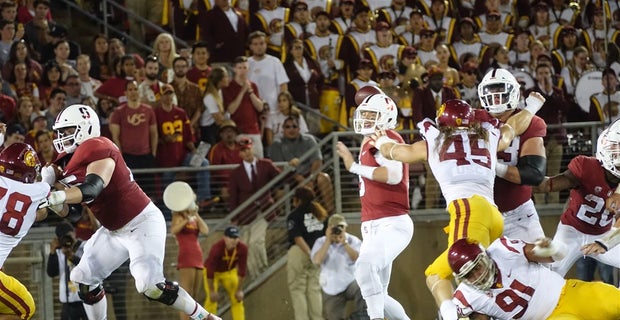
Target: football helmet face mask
377	111
455	113
608	149
20	162
74	125
499	91
471	264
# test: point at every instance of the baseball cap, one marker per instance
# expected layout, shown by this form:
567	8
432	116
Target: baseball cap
386	75
494	14
337	220
299	4
382	25
468	20
58	31
244	143
410	52
427	32
229	124
232	232
167	88
434	70
365	64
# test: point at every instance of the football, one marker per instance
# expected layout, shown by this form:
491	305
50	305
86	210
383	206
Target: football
364	92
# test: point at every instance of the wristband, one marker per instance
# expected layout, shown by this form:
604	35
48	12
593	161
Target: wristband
383	140
56	197
556	250
501	169
362	171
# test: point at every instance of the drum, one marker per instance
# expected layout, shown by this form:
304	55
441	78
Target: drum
329	103
525	79
588	84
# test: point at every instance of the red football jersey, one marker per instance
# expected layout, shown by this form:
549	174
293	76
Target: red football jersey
380	199
586	207
122	199
508	195
172	154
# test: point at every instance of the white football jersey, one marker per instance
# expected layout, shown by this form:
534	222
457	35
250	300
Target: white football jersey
18	211
462	171
525	290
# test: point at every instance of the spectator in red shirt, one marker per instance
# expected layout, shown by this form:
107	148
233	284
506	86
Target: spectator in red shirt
133	126
114	88
225	152
44	146
227	265
242	102
200	67
176	145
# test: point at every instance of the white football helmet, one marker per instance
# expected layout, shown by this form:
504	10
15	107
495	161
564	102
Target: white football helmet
377	111
499	91
81	117
608	149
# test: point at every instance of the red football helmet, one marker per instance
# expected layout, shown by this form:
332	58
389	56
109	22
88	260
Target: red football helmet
20	162
467	258
455	113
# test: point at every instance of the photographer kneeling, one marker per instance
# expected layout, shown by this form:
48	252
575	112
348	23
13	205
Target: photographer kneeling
336	253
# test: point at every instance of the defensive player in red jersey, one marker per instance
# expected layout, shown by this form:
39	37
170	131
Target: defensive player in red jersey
521	165
461	150
586	220
20	195
94	172
387	228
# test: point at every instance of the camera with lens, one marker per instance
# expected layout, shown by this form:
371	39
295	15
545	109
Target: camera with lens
68	242
337	230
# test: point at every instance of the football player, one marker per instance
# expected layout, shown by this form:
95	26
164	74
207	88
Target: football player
507	281
20	195
461	149
586	220
132	226
522	165
386	227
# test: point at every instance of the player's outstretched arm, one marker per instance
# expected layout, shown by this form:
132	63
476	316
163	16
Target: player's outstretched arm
605	243
98	175
407	153
562	181
545	250
517	124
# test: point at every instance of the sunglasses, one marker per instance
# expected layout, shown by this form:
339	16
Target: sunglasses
291	127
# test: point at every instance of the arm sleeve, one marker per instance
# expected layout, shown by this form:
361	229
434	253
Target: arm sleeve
53	269
394	168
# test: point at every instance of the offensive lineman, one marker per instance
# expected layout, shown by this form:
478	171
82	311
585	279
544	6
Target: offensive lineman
132	226
19	197
386	226
521	165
